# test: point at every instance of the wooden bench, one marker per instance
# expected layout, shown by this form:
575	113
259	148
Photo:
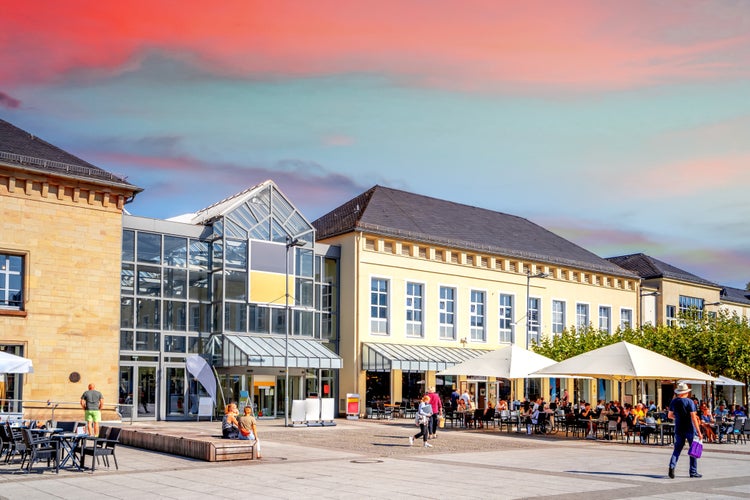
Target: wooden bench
209	448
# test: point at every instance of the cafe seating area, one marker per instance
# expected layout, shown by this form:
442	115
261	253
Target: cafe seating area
27	448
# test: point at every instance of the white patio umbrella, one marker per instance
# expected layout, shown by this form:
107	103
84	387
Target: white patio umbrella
510	362
722	380
622	362
10	363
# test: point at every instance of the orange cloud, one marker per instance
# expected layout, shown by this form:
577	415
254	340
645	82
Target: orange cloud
584	44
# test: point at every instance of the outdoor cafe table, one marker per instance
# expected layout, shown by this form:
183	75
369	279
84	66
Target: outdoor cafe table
69	442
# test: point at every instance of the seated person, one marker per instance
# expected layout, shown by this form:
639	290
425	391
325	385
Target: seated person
248	427
229	424
588	414
708	423
502	405
461	405
645	424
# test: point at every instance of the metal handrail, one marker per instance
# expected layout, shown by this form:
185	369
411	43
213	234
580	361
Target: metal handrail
67	405
59	166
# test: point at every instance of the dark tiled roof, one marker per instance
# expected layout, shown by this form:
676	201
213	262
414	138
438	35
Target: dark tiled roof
650	268
737	295
400	214
18	147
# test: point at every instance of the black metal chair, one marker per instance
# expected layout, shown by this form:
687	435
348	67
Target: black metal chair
38	448
488	418
103	446
16	444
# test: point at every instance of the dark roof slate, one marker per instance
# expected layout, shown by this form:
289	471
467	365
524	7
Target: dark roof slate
736	295
400	214
22	148
648	267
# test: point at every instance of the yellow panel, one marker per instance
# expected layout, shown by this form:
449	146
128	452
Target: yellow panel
269	288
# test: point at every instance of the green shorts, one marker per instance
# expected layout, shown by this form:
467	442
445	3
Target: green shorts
93	415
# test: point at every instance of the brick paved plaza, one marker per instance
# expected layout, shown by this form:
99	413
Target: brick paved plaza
372	459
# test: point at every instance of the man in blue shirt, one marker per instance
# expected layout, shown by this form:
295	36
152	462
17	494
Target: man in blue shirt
686	424
720	415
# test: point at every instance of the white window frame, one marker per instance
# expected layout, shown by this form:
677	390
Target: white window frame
7	273
583	320
506	324
414	327
534	319
605	320
447	330
378	324
626	323
558	317
477	316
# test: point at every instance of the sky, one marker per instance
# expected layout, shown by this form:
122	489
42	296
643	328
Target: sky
621	126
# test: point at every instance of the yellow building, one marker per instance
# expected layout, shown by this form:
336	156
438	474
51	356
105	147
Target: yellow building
667	290
427	283
60	241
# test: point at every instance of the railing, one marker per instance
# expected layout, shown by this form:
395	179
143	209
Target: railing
62	167
17	407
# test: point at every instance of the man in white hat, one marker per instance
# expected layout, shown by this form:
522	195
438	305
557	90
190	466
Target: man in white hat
686	424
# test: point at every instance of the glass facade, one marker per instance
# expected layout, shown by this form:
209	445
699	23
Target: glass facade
185	286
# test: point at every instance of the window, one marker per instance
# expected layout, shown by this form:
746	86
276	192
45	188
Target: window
447	313
626	318
414	310
582	316
605	319
379	306
506	318
691	307
11	282
558	317
477	316
671	315
535	320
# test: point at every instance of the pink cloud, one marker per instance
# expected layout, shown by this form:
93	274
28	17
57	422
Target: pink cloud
584	44
336	140
690	177
9	102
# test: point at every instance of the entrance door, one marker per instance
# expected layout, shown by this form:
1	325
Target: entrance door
175	391
145	402
264	395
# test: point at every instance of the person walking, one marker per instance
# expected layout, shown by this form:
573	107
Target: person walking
424	412
92	403
437	409
686	426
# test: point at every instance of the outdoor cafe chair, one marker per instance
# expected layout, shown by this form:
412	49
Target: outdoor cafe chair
737	434
16	442
38	448
103	446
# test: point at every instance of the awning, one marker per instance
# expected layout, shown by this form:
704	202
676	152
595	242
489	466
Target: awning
413	358
255	350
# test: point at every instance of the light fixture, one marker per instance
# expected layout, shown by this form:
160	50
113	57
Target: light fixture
290	243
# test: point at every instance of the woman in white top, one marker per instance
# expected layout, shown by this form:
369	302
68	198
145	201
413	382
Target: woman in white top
424	412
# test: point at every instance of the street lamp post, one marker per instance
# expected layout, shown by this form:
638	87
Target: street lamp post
290	243
528	317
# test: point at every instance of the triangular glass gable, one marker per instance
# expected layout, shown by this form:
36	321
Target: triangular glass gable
267	215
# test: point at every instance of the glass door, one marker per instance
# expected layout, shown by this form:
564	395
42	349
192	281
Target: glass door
145	402
264	395
126	392
175	391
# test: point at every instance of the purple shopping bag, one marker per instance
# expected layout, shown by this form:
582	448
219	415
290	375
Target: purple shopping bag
696	448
